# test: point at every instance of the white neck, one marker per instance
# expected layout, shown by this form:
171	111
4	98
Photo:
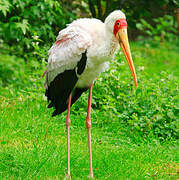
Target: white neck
111	43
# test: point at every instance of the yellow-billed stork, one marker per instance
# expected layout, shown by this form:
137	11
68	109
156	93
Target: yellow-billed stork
81	52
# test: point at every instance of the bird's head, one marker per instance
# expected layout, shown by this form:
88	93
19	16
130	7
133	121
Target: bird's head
117	25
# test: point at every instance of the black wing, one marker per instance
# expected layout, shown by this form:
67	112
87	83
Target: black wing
60	88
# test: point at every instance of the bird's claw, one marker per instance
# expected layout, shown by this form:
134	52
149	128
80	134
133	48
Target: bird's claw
90	176
68	177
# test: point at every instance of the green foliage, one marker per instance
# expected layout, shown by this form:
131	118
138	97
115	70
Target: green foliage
5	7
10	70
134	131
152	107
30	27
149	110
23	20
165	28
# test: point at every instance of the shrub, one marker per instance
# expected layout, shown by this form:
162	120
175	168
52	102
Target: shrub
29	24
164	29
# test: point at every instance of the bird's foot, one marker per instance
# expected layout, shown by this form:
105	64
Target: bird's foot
90	176
68	177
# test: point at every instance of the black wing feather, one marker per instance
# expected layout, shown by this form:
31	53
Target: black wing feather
60	88
75	96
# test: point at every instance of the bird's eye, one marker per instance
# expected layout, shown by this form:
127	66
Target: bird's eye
118	24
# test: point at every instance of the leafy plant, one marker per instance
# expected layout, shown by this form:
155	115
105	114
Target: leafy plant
5	7
22	20
164	29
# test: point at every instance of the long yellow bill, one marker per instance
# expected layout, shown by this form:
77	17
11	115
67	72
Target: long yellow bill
124	43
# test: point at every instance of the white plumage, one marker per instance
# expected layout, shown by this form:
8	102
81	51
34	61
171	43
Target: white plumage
84	34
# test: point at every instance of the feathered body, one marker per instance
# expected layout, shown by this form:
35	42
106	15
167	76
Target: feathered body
81	52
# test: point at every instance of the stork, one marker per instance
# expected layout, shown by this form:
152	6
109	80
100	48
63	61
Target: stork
81	52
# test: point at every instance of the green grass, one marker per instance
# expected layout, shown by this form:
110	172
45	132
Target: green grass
134	131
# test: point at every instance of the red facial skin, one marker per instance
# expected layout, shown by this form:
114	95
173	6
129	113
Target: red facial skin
119	24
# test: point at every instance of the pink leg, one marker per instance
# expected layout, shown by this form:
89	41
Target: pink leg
68	122
88	126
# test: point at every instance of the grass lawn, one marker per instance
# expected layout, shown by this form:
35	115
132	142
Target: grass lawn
133	131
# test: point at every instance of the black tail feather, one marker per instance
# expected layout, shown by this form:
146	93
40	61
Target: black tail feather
75	96
59	89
